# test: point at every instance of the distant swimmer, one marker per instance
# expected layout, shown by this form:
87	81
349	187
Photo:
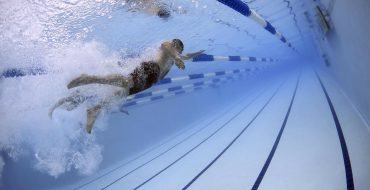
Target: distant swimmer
143	77
155	7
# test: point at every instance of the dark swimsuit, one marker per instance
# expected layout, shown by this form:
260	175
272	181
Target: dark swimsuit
144	76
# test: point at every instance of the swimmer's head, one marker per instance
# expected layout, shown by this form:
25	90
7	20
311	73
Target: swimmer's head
163	12
178	45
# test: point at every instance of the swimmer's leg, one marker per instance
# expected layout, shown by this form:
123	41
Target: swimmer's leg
93	113
59	103
73	101
114	80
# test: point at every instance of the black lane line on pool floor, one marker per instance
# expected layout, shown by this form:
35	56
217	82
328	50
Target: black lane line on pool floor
225	124
346	159
273	150
207	125
172	147
231	143
132	160
151	149
154	148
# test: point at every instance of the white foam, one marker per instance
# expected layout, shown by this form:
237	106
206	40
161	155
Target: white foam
38	34
32	37
59	145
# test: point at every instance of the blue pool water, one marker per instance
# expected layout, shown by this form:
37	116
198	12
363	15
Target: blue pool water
264	107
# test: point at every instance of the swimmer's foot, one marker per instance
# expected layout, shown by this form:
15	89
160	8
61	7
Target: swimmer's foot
92	113
81	80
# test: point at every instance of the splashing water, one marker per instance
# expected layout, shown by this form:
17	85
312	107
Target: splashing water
40	34
56	35
71	37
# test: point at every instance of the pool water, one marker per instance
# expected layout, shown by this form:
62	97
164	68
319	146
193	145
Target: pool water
254	111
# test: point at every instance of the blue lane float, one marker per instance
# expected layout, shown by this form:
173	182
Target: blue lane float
22	72
159	94
244	9
170	80
14	72
207	57
182	87
160	97
173	91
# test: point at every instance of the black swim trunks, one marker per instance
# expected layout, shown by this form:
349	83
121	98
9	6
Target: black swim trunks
144	76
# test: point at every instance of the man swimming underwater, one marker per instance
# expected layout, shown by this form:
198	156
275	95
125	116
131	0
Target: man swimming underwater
143	77
154	7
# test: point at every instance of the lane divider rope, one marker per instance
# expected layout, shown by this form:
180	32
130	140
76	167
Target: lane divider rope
207	57
22	72
244	9
169	80
180	87
174	91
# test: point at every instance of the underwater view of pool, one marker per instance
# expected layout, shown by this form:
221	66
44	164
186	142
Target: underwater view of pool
184	94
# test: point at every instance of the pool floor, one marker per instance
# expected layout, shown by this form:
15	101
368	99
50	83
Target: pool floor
286	135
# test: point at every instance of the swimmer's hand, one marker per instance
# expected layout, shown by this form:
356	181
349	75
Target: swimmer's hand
179	63
191	55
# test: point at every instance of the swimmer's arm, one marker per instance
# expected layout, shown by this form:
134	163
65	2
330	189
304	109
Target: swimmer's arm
179	59
180	64
62	101
191	55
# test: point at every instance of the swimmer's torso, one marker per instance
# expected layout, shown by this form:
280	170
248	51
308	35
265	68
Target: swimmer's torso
150	72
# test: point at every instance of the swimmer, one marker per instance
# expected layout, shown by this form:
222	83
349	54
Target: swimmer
155	7
142	78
